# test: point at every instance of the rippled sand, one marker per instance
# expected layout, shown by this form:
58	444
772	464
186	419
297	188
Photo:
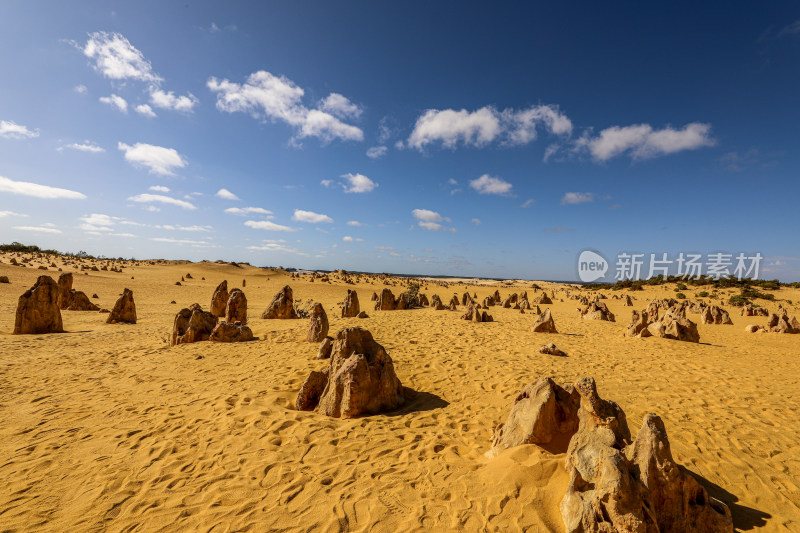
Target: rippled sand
108	428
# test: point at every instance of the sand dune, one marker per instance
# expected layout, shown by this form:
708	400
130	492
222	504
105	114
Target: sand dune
108	428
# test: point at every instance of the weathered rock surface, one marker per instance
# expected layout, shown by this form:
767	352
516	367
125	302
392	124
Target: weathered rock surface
359	380
37	309
325	348
231	332
192	325
385	301
544	323
350	308
281	306
318	327
236	307
124	310
540	412
219	300
552	349
713	314
597	311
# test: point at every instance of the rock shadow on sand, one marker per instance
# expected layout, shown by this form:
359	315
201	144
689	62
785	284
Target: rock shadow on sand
744	518
418	402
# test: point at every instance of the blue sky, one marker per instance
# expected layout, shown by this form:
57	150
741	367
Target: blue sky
411	137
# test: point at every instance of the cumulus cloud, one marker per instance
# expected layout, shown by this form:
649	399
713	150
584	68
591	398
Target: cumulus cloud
81	89
26	188
115	101
117	59
572	198
476	221
97	222
277	98
11	130
376	152
354	223
225	194
485	125
168	100
487	184
157	159
310	217
85	146
358	183
351	239
158	188
641	141
145	110
267	225
338	105
161	199
430	220
244	211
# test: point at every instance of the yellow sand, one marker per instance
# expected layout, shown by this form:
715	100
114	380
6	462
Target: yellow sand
108	428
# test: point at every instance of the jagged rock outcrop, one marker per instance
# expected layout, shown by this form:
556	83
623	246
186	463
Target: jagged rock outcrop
597	311
70	299
543	299
552	349
219	300
783	323
192	325
350	309
542	411
236	307
318	328
713	314
226	331
386	301
124	310
281	306
436	303
325	348
37	309
544	323
360	379
749	310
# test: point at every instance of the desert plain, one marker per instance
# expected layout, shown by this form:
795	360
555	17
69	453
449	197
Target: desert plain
107	427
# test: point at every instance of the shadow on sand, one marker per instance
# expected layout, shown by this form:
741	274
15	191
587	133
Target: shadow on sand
419	401
744	518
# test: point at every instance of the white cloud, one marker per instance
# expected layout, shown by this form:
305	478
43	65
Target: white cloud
376	152
225	194
327	183
97	222
351	239
11	130
85	146
180	241
273	247
4	214
476	221
151	208
158	198
430	220
158	188
354	223
244	211
117	59
277	98
81	89
358	183
44	228
527	203
340	106
641	141
157	159
115	101
267	225
195	228
145	110
310	217
572	198
487	184
485	125
39	191
168	100
475	128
